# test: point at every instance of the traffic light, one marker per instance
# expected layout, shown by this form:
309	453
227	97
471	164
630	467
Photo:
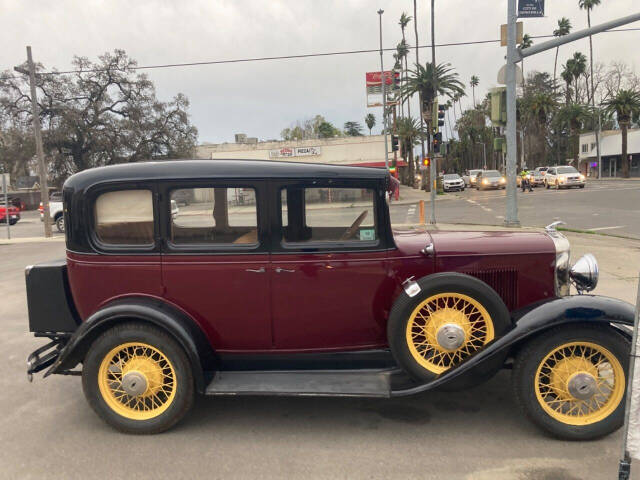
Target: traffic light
394	143
437	141
441	110
426	161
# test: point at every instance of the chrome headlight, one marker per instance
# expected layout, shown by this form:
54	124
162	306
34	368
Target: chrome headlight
584	273
563	253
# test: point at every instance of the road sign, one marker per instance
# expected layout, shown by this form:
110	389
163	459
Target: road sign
530	8
519	34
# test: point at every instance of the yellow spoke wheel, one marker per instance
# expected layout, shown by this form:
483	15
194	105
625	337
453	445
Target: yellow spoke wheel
137	381
579	383
446	328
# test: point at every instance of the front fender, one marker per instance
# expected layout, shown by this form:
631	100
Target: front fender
533	320
175	322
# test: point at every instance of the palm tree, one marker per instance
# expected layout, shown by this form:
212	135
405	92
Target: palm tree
370	121
588	6
573	116
527	41
404	21
415	29
626	105
564	28
578	66
410	133
540	107
567	76
473	84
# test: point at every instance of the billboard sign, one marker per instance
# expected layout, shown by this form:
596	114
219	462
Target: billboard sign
374	87
288	152
530	8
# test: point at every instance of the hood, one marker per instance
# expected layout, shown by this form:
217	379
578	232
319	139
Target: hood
491	243
461	243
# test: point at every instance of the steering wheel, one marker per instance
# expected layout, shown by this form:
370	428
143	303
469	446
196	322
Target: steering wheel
353	229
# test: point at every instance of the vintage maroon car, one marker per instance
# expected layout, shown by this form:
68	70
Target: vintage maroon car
288	279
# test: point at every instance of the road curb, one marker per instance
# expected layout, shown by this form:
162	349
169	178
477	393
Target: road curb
14	241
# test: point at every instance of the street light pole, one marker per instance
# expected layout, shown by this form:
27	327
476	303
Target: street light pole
511	217
42	168
432	165
384	98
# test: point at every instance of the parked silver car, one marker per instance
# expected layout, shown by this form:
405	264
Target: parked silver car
490	179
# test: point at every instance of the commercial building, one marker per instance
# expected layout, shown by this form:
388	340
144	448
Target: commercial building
365	151
611	152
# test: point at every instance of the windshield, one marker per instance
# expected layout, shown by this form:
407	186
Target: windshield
451	176
491	173
474	172
567	170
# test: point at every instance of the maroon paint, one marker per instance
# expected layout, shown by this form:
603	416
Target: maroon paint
222	295
97	279
330	301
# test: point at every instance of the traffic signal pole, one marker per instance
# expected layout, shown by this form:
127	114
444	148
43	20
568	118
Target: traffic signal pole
384	98
433	164
515	55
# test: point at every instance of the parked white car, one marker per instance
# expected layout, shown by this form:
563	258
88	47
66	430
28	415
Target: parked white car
452	182
55	209
564	176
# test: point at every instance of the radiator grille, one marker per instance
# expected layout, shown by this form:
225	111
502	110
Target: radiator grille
503	281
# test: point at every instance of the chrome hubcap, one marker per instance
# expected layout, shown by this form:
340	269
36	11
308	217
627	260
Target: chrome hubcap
134	383
450	336
582	386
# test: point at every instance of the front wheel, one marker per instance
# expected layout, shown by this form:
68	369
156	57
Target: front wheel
138	379
60	224
452	317
571	381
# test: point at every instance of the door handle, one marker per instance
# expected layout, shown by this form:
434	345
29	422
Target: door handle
254	270
280	270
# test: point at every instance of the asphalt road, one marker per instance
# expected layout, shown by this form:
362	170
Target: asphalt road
49	431
602	206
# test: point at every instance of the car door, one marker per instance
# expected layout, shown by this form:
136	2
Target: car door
215	260
329	276
550	177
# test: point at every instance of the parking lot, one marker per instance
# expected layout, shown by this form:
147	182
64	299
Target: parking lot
48	429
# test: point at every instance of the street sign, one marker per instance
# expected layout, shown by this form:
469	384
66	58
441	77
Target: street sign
519	34
530	8
502	75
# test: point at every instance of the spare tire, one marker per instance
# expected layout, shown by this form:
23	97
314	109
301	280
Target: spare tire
452	317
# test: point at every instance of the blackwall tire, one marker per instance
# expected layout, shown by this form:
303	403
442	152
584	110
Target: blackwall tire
60	223
545	367
479	316
150	359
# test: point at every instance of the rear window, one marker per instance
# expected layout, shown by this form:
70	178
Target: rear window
124	217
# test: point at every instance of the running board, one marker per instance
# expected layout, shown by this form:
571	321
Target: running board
330	383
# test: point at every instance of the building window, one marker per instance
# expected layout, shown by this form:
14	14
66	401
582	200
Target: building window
593	145
217	215
585	148
332	215
125	217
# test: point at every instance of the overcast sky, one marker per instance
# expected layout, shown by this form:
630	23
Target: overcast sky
261	98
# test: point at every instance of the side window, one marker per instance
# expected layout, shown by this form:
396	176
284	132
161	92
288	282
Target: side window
216	215
313	215
124	217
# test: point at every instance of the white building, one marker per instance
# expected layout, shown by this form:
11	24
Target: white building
611	151
362	151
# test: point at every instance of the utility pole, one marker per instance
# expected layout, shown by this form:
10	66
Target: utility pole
6	202
511	217
42	168
384	98
420	112
433	164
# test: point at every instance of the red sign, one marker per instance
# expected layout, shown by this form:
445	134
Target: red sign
374	78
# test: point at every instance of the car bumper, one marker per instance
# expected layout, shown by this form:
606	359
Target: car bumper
459	186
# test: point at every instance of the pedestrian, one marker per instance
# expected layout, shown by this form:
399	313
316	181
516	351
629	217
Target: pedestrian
525	181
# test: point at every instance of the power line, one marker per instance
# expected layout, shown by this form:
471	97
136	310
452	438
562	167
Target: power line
294	57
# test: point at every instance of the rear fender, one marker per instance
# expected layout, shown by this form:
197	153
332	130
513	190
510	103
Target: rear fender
533	320
175	322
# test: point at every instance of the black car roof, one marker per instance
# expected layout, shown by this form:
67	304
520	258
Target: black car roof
227	169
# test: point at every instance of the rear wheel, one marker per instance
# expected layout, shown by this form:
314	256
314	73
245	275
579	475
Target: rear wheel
452	317
138	379
571	381
60	223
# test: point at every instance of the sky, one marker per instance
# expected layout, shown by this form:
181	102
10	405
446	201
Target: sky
262	98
